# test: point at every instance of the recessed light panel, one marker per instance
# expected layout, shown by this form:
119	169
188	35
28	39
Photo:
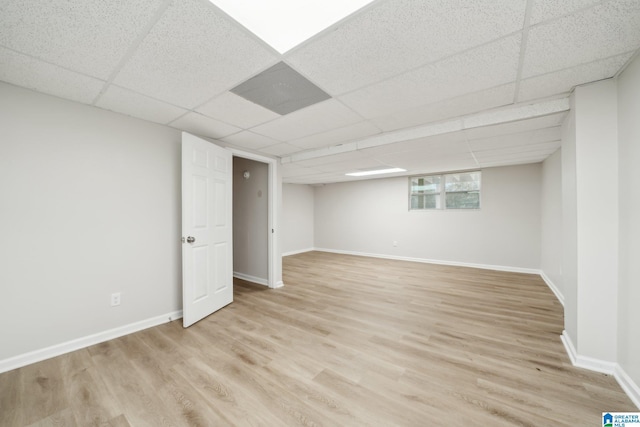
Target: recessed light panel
284	24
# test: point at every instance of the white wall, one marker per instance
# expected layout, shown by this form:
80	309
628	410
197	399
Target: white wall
597	218
298	218
551	219
89	205
629	279
250	220
368	216
569	226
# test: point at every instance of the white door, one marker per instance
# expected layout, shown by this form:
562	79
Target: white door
207	232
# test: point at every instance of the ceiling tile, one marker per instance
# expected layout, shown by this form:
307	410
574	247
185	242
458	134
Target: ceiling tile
317	118
599	32
550	120
346	133
542	10
517	149
193	53
449	108
565	80
291	170
485	67
250	140
25	71
204	126
235	110
87	36
416	144
136	105
280	149
399	35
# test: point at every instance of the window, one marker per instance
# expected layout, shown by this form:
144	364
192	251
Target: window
460	190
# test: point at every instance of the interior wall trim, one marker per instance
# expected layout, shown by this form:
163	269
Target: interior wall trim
553	287
80	343
252	279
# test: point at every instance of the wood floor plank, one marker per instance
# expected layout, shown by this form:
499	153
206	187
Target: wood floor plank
349	341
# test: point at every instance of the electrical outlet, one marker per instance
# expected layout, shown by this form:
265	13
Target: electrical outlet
115	299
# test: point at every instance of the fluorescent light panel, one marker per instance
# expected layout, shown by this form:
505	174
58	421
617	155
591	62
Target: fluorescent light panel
284	24
376	172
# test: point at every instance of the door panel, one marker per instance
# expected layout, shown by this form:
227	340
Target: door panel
207	250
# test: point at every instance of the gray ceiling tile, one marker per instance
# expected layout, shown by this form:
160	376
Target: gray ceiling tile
281	89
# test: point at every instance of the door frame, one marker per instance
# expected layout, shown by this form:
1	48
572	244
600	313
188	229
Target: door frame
273	197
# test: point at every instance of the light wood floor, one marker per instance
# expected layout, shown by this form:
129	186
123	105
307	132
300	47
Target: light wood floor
349	341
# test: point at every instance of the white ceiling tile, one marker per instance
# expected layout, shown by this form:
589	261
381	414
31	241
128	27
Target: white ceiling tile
280	149
547	134
204	126
599	32
136	105
87	36
512	154
234	109
317	118
346	133
458	106
193	53
512	161
413	145
565	80
415	164
250	140
293	170
551	120
399	35
520	150
488	66
25	71
501	141
542	10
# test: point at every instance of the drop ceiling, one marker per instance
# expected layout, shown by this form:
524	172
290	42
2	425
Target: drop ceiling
423	85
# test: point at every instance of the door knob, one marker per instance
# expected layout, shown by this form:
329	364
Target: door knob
191	239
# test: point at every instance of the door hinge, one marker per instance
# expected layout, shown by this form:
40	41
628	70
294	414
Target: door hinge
183	240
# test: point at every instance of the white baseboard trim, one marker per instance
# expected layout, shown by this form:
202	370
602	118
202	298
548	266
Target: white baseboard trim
253	279
435	261
300	251
280	284
611	368
586	362
553	287
628	385
80	343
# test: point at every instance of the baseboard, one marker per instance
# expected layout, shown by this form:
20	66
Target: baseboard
300	251
628	385
279	284
586	362
80	343
435	261
253	279
553	287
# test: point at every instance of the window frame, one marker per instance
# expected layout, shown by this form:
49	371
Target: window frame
442	195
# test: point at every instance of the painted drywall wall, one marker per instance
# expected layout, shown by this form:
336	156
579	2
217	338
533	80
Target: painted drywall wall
629	278
551	219
250	220
597	218
298	218
89	206
369	216
569	226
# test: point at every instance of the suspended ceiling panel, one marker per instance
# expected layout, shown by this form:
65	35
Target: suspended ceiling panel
237	111
192	54
125	101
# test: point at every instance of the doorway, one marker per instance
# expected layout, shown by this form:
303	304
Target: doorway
251	220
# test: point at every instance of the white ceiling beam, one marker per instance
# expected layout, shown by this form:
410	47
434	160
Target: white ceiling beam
487	118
